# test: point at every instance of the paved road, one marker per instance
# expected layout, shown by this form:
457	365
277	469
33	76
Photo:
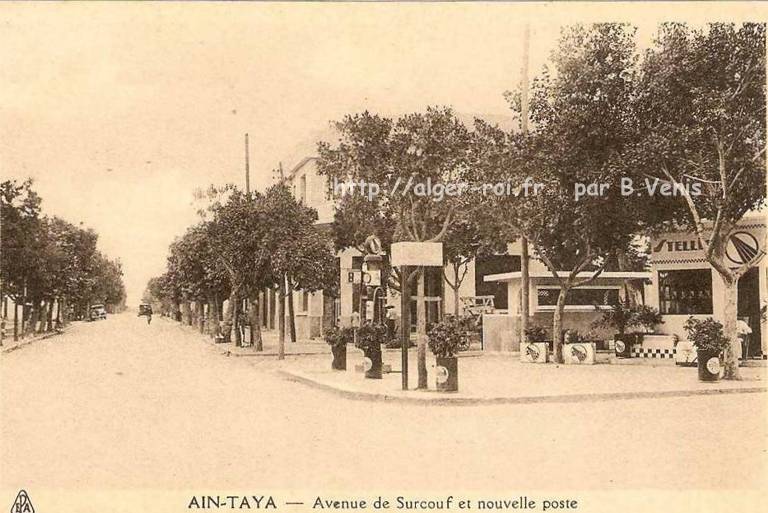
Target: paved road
119	404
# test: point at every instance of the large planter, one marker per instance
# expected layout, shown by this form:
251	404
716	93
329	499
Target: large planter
372	363
710	366
339	357
622	344
447	374
685	354
579	353
534	352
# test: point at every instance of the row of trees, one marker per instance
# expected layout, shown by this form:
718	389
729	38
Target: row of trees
244	244
689	110
47	264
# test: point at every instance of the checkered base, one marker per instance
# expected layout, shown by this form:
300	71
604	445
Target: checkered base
639	352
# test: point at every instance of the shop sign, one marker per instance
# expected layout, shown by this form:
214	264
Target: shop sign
743	246
417	253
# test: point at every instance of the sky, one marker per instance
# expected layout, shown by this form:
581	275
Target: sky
119	112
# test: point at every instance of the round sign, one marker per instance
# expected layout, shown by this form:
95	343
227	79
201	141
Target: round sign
442	374
742	247
532	351
579	352
713	365
373	245
367	364
620	346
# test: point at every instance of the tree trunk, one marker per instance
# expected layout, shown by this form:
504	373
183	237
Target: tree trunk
328	310
281	321
524	288
15	320
421	331
730	360
213	316
557	325
291	314
23	327
255	318
58	311
186	312
49	319
42	316
236	322
226	328
455	288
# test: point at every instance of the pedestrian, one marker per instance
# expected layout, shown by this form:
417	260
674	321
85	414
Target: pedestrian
392	323
149	315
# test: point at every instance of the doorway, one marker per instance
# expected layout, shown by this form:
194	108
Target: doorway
748	308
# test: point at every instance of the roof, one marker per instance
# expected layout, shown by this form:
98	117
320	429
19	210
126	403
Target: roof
627	275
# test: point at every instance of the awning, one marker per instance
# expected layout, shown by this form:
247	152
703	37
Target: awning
625	275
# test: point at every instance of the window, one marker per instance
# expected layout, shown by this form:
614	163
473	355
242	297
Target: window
685	292
303	189
304	301
578	298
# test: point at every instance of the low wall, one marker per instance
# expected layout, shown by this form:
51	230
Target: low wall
501	332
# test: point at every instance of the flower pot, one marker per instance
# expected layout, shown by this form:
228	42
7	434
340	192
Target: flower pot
579	353
534	352
339	357
622	344
685	354
447	374
710	366
372	363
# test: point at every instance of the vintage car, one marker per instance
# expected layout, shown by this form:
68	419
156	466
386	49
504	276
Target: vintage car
98	312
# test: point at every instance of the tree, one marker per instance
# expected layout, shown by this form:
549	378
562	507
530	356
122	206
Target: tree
399	159
293	252
20	222
579	117
194	271
47	261
468	237
700	127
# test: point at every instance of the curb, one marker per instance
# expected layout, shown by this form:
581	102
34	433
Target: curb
479	401
269	355
31	341
229	353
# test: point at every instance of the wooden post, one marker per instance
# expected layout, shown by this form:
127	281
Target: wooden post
524	258
405	322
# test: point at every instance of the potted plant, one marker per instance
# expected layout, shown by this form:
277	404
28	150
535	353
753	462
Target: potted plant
620	317
369	339
535	347
578	349
647	317
708	339
338	338
444	339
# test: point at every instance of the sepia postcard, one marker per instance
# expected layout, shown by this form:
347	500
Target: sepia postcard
383	257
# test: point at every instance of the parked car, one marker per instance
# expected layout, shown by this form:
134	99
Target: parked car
98	312
145	309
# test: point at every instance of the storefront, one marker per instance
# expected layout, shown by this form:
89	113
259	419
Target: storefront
684	284
583	305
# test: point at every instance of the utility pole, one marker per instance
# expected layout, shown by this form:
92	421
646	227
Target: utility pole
247	168
524	258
